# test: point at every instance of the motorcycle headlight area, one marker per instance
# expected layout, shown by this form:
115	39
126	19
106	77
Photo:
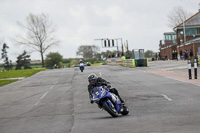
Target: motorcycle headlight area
95	99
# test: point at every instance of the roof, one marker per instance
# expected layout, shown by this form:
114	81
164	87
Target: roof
171	33
193	40
196	40
192	21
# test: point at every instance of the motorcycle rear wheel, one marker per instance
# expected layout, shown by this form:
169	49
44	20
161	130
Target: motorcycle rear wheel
110	110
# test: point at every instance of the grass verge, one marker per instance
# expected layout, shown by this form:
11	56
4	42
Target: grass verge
96	64
19	73
4	82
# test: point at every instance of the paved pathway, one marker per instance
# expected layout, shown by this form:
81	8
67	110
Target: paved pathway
13	78
179	73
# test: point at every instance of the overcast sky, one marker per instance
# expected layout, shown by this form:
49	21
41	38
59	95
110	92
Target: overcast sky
79	22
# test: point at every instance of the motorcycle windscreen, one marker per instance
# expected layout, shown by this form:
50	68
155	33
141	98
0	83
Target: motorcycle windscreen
96	92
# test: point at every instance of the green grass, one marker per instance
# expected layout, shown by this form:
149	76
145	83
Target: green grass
4	82
19	73
96	64
66	65
36	66
32	66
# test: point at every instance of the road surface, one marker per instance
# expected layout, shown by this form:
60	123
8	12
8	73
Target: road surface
56	101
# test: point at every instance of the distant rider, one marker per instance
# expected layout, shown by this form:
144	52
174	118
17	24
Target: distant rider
81	61
98	81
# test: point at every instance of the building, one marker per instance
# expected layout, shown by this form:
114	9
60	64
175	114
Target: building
168	49
184	43
188	37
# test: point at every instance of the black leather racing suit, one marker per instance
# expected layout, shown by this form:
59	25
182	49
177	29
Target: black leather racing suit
102	82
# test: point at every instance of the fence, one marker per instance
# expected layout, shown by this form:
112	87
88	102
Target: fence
128	62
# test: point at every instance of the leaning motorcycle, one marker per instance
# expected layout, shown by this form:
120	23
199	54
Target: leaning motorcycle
81	66
109	102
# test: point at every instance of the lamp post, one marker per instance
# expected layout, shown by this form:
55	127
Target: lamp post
184	34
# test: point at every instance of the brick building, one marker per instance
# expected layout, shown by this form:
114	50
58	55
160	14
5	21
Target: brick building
168	49
184	42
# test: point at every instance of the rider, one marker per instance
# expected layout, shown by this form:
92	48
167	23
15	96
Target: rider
81	61
98	81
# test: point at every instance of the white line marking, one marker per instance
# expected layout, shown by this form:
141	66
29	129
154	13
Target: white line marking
166	97
37	103
44	95
51	87
100	74
179	67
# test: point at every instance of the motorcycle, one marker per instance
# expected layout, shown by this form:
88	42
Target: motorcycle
109	102
81	66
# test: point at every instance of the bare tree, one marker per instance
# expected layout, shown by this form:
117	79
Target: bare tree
87	51
177	16
40	34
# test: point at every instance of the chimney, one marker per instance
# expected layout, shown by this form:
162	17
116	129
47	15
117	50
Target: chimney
160	42
199	7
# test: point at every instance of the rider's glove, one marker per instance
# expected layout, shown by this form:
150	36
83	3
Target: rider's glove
108	86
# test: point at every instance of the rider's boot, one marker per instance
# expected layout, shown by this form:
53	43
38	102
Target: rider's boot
122	101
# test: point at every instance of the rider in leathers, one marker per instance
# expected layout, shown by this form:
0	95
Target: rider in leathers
98	81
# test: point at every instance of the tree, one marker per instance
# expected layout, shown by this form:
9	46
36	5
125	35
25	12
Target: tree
1	42
98	56
23	61
108	53
177	16
87	51
7	64
149	54
53	58
40	34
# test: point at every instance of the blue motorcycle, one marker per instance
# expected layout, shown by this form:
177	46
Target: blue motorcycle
109	102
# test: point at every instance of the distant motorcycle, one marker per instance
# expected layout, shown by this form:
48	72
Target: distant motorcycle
81	66
109	102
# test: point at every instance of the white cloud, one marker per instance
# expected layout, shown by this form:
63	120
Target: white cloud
141	22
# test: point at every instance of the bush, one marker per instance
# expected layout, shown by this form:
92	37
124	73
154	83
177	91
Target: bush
92	61
53	58
60	64
74	62
104	63
67	65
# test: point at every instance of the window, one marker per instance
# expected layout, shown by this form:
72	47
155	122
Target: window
174	38
187	32
190	32
168	37
198	31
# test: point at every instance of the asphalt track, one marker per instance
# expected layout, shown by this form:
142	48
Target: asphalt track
56	101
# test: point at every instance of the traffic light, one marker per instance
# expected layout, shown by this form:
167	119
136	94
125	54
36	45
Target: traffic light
113	43
108	43
105	43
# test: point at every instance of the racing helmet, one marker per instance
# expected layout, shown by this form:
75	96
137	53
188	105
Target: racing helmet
92	78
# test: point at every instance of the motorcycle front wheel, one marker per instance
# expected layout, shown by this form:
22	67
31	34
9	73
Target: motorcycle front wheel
111	110
125	111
